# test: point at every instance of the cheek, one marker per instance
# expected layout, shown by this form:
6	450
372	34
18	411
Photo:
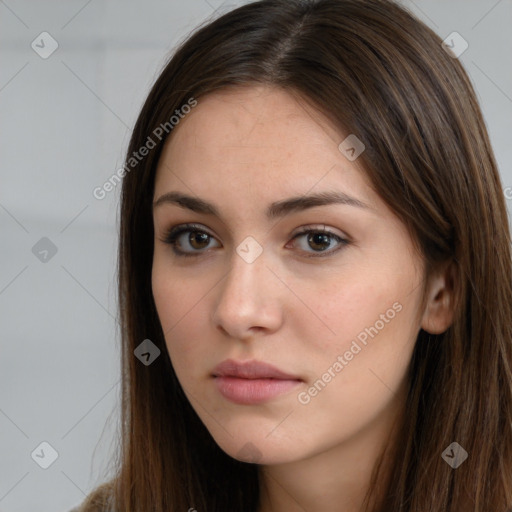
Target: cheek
351	304
358	375
176	297
182	307
372	326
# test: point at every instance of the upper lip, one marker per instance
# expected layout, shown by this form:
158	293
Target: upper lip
250	370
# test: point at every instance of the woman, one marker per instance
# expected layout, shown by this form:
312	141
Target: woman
314	274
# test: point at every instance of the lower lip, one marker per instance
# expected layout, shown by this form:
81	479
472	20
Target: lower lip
252	391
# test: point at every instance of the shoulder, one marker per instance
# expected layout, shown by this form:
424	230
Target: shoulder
99	500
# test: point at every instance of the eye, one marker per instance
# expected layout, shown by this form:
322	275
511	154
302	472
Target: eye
197	240
320	240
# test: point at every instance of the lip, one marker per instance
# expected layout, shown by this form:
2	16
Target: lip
251	382
251	370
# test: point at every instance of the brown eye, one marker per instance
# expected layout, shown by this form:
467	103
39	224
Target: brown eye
198	239
318	242
191	240
188	240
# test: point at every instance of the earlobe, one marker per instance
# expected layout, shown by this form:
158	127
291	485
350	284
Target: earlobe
440	307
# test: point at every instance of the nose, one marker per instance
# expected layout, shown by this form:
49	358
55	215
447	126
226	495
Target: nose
249	299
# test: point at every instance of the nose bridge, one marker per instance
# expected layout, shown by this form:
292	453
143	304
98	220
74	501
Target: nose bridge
247	273
246	299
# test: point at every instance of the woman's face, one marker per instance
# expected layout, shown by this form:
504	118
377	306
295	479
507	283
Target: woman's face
335	312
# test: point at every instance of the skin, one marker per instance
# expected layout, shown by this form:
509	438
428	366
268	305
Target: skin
242	149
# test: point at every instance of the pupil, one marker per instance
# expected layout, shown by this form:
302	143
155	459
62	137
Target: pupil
196	238
319	238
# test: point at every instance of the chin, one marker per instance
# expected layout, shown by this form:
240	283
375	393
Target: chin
259	451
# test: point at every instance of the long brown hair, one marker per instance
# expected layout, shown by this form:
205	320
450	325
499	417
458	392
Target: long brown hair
381	74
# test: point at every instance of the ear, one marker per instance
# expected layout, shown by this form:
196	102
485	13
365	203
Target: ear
440	307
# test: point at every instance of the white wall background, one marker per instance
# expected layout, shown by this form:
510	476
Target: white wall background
65	123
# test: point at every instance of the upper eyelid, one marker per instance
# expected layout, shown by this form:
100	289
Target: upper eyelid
180	228
183	228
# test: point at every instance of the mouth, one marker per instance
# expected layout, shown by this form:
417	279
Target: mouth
252	382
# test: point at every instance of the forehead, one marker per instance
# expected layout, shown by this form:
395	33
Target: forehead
251	116
249	140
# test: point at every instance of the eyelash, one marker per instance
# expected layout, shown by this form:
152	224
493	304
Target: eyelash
173	233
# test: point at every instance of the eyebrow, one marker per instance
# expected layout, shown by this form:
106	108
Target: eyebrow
275	210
